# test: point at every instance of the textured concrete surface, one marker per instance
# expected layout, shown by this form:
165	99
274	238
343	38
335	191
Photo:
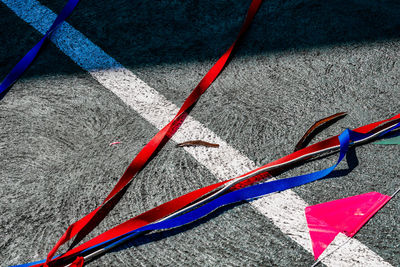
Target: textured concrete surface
301	61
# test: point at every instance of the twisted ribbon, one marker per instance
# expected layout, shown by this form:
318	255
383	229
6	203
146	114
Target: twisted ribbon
150	220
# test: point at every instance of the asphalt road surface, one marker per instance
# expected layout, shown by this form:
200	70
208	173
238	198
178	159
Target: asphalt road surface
300	61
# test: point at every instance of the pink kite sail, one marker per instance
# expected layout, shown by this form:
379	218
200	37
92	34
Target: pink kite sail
326	220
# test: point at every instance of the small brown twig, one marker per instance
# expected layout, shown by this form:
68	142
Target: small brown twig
197	143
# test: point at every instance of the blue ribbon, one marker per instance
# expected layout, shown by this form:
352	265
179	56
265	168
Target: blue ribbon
24	63
248	193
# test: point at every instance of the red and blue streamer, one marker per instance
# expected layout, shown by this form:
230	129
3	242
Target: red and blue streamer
347	138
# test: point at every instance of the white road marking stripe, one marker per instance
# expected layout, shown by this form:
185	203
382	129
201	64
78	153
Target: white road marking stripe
285	209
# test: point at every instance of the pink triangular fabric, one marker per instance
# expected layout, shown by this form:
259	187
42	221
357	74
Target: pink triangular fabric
345	215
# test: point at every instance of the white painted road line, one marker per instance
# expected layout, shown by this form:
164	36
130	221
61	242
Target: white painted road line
285	209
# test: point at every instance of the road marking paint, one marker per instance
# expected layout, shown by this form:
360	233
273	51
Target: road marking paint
285	209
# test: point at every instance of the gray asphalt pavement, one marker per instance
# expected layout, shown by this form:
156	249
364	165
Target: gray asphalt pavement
301	61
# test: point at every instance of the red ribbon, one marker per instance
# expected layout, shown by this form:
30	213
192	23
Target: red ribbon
178	203
87	223
78	262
